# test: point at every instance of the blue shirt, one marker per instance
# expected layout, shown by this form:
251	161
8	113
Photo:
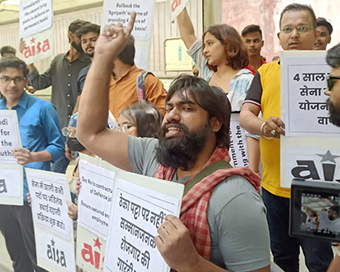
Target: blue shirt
39	130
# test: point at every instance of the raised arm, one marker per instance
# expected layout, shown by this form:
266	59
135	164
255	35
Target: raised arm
186	29
110	145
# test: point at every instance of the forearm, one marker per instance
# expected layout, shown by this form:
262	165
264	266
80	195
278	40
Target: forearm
335	265
41	156
186	28
250	122
38	81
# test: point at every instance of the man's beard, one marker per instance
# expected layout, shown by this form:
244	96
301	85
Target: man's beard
331	218
181	152
90	55
334	113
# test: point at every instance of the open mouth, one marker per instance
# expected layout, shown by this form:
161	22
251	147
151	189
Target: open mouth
173	131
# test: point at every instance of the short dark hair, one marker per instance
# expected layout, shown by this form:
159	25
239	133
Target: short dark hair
7	49
127	56
299	7
212	99
251	29
333	56
323	22
75	25
145	116
84	29
231	41
13	62
335	208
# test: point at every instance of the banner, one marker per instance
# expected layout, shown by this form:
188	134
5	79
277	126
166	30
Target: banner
35	16
238	143
52	226
176	8
303	82
11	174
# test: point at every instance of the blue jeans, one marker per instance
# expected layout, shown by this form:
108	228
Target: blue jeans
286	249
60	165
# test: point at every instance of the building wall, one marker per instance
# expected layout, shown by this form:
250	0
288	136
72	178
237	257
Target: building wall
266	13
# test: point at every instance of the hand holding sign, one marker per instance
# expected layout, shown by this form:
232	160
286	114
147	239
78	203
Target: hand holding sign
175	244
113	39
23	156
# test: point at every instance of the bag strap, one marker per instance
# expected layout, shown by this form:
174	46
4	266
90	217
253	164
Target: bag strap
141	85
206	172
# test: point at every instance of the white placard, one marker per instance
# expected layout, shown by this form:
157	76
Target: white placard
136	215
11	184
9	135
303	82
38	46
176	7
310	158
52	226
117	11
94	204
35	16
238	143
50	194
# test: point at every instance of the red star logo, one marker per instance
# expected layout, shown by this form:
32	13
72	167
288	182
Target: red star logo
97	243
33	40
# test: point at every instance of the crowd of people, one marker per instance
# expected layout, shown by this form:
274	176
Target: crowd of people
235	216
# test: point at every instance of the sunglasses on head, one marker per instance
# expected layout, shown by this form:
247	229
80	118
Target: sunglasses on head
330	81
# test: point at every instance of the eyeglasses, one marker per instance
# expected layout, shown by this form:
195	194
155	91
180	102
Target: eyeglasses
330	81
123	128
300	29
66	131
17	80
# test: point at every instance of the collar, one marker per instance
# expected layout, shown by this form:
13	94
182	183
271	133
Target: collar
131	69
22	102
263	61
82	56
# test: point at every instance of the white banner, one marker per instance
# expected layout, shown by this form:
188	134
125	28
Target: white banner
238	143
176	7
35	16
52	226
38	46
310	158
303	82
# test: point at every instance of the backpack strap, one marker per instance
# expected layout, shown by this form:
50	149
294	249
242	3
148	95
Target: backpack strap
141	85
206	172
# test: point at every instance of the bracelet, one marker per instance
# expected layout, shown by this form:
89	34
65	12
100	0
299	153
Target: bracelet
262	134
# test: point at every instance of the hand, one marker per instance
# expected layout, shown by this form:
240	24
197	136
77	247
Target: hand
113	39
22	46
175	244
23	156
78	187
273	124
29	200
69	154
72	210
30	89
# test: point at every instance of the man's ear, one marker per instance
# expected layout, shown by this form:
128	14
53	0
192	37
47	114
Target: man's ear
278	35
262	43
70	37
215	124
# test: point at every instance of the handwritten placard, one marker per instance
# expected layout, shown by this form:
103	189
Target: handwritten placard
304	104
35	16
52	226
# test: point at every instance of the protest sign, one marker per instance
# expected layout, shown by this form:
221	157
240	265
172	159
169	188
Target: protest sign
176	8
303	82
35	16
52	225
38	46
238	143
176	57
309	158
136	215
11	174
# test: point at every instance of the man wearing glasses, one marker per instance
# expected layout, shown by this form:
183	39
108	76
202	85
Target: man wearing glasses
297	32
42	143
333	82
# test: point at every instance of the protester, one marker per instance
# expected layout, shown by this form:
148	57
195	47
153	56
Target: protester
297	32
326	29
41	143
333	81
194	134
62	76
253	39
7	51
220	59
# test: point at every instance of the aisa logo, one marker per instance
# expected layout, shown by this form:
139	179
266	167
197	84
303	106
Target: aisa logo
56	255
327	165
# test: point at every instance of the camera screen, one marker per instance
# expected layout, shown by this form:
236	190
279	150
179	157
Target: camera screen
320	214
